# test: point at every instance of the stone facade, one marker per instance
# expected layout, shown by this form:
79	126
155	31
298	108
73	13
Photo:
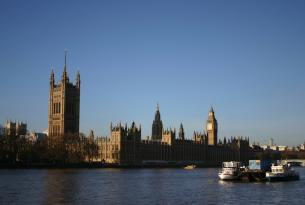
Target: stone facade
125	146
64	105
211	128
15	128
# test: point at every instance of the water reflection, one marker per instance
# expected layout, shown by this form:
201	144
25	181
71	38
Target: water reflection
140	186
60	186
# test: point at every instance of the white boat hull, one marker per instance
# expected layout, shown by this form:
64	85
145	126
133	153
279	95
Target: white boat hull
281	177
282	172
230	171
228	176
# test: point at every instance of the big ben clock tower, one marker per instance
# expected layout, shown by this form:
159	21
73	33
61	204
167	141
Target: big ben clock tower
211	128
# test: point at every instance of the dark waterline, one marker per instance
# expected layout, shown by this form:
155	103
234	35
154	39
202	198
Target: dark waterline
140	186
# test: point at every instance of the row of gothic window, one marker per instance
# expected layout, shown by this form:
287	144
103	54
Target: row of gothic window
56	108
70	108
56	129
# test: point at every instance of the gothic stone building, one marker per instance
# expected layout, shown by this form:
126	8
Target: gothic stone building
64	104
15	128
125	146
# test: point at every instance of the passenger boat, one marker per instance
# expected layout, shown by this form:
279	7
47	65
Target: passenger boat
282	172
189	167
230	171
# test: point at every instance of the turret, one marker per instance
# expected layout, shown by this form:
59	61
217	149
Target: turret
52	79
181	132
157	114
91	135
77	83
168	136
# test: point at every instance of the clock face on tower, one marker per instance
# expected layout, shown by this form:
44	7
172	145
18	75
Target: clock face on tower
209	126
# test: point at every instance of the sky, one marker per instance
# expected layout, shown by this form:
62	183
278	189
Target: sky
244	58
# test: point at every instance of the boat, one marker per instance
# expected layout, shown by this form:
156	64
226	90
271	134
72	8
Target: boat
189	167
282	172
230	171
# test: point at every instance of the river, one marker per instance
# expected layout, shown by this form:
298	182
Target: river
140	186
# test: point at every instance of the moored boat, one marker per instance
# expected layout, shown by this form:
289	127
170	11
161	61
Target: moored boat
230	171
189	167
282	172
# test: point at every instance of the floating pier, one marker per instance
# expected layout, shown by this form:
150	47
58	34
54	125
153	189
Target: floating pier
253	176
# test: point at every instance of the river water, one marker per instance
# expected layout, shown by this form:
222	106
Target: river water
141	186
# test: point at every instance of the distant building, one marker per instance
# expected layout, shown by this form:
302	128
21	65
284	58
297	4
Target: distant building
10	128
123	146
126	147
15	128
64	104
302	146
21	128
1	130
271	143
34	136
282	148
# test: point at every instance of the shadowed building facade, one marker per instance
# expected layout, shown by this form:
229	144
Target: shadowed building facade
64	105
157	126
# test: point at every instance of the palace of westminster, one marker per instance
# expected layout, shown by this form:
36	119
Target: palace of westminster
125	146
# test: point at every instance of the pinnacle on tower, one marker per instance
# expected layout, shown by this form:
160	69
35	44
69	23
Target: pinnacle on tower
212	110
52	79
181	132
78	79
181	126
64	73
65	60
157	114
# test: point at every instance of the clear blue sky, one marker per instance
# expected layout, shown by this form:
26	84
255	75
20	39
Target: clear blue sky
246	58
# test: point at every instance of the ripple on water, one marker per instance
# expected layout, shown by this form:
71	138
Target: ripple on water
140	186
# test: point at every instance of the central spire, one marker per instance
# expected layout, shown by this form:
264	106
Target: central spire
157	114
157	126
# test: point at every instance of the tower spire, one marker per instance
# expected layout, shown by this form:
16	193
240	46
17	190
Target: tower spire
157	126
65	60
181	132
78	79
64	73
52	79
212	109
